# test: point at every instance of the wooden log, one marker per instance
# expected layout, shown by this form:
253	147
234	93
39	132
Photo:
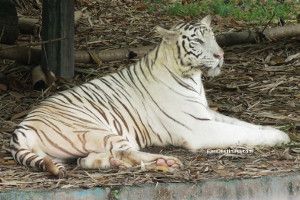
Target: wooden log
22	54
234	38
112	54
31	55
40	79
58	22
291	30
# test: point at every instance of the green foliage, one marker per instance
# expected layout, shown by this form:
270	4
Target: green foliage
247	10
192	9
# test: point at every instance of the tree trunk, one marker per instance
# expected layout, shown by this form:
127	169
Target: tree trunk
58	22
8	22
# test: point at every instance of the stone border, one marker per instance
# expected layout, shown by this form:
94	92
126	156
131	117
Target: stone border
267	187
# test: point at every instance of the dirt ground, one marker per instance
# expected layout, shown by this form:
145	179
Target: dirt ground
257	84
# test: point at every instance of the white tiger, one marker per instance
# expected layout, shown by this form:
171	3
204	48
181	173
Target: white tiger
160	101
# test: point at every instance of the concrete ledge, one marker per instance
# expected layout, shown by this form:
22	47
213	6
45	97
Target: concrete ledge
267	187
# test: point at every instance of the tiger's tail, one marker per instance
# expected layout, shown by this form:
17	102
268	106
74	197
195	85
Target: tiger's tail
25	156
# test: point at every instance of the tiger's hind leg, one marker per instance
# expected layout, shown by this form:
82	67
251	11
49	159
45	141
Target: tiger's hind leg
127	159
151	161
103	160
113	150
55	168
29	157
101	148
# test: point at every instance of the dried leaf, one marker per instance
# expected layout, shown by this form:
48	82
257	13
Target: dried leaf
19	115
295	150
292	57
77	15
268	58
286	154
163	169
16	95
277	60
95	58
141	6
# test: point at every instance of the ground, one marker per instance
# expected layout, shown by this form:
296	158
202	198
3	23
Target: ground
257	84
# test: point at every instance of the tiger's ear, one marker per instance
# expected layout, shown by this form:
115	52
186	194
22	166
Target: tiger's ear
165	34
206	20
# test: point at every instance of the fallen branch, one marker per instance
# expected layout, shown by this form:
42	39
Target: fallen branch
281	32
32	55
271	34
29	55
24	55
111	55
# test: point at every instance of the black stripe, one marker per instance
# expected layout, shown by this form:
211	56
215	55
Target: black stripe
75	95
170	135
133	82
55	145
179	53
121	117
16	155
117	126
40	164
197	118
66	97
56	97
60	134
137	138
149	67
180	82
106	138
156	134
96	93
134	121
22	156
100	111
156	52
15	138
84	88
142	70
31	158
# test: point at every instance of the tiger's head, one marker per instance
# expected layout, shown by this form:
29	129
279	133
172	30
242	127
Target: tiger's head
196	45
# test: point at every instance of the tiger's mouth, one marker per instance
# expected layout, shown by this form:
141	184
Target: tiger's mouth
212	72
221	63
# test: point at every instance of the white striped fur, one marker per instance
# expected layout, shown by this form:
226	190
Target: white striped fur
160	100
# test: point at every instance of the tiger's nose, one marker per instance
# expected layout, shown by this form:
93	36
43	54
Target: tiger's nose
219	55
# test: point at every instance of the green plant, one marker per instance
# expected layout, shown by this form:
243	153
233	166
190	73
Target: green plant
191	9
247	10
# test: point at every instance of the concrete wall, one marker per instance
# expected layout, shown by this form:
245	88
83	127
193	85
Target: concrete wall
268	187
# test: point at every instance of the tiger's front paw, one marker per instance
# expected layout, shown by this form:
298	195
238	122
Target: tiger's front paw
169	162
274	136
165	164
